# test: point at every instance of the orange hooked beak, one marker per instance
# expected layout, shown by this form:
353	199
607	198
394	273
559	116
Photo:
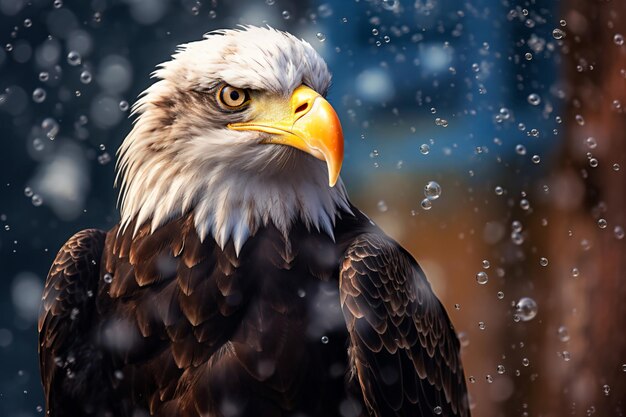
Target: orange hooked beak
307	122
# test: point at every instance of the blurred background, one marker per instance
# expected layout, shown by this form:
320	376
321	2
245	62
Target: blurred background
514	108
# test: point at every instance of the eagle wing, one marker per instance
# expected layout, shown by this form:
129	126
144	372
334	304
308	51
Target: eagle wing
403	349
65	357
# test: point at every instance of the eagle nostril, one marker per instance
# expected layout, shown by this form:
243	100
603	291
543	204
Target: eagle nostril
302	107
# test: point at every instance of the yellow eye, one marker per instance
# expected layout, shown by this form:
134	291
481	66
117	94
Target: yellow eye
232	97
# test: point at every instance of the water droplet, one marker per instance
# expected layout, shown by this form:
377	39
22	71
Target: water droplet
602	223
320	36
104	159
575	272
50	127
543	261
472	379
524	204
57	4
74	58
591	142
432	190
593	162
618	38
482	278
605	388
382	206
28	23
437	410
270	2
486	264
616	167
536	159
481	325
286	15
85	77
124	106
526	309
39	95
618	231
525	362
28	192
36	200
426	204
580	120
324	340
563	334
108	278
500	369
38	144
489	379
391	4
520	149
558	33
424	149
499	190
562	22
500	295
534	99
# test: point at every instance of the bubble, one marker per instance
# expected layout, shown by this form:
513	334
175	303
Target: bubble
593	162
481	325
38	144
543	262
36	200
441	122
591	142
520	149
39	95
482	278
390	4
486	264
432	190
534	99
50	127
499	190
536	159
28	192
28	23
605	388
286	15
526	309
124	106
382	206
616	167
580	120
108	278
426	204
270	2
85	77
500	369
563	334
320	36
324	340
524	204
471	379
516	225
558	33
104	159
618	38
602	223
424	149
618	231
575	272
44	76
500	295
57	4
74	58
562	22
525	362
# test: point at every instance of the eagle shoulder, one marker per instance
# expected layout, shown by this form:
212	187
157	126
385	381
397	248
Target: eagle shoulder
403	349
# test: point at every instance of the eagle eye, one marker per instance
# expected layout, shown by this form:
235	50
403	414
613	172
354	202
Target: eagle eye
232	98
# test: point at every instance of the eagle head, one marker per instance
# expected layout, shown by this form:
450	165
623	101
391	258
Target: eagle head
237	133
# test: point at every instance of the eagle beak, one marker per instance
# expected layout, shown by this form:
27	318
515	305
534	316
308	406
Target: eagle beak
309	124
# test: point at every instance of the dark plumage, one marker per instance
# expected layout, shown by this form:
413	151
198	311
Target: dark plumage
165	325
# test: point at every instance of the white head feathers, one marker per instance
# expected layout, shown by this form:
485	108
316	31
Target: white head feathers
181	158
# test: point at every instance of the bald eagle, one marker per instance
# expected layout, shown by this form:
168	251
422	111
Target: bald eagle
240	280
